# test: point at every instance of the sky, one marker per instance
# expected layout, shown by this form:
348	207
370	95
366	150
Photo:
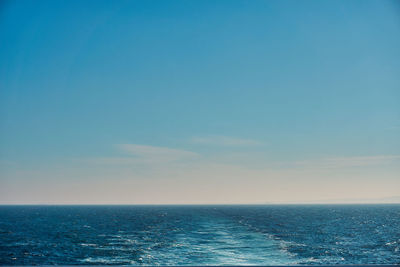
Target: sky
199	102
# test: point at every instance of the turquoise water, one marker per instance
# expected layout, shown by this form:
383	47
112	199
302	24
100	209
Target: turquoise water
200	235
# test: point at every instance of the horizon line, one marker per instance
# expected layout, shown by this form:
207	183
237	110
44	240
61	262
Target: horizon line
195	204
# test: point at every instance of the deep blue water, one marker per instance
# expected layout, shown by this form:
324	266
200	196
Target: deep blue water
200	235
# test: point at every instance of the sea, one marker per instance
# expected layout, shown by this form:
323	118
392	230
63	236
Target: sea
200	235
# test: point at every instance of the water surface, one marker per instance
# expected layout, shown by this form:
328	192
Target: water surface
200	235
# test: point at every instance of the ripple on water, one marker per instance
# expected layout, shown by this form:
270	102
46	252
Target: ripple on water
236	235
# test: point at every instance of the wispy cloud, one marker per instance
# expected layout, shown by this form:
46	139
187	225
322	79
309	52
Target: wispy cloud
144	154
156	151
218	140
151	174
120	160
340	162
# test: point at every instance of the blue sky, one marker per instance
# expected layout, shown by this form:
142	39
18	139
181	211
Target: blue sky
199	101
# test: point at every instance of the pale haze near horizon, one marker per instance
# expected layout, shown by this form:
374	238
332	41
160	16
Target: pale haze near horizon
199	102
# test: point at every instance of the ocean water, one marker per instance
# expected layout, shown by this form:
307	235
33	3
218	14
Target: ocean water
200	235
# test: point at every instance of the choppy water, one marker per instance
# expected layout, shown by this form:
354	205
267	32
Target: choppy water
200	235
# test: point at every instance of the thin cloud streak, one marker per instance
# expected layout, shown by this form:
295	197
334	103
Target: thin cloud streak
145	153
340	162
145	150
151	175
224	141
155	155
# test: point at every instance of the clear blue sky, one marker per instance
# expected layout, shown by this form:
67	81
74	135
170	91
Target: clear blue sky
199	101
